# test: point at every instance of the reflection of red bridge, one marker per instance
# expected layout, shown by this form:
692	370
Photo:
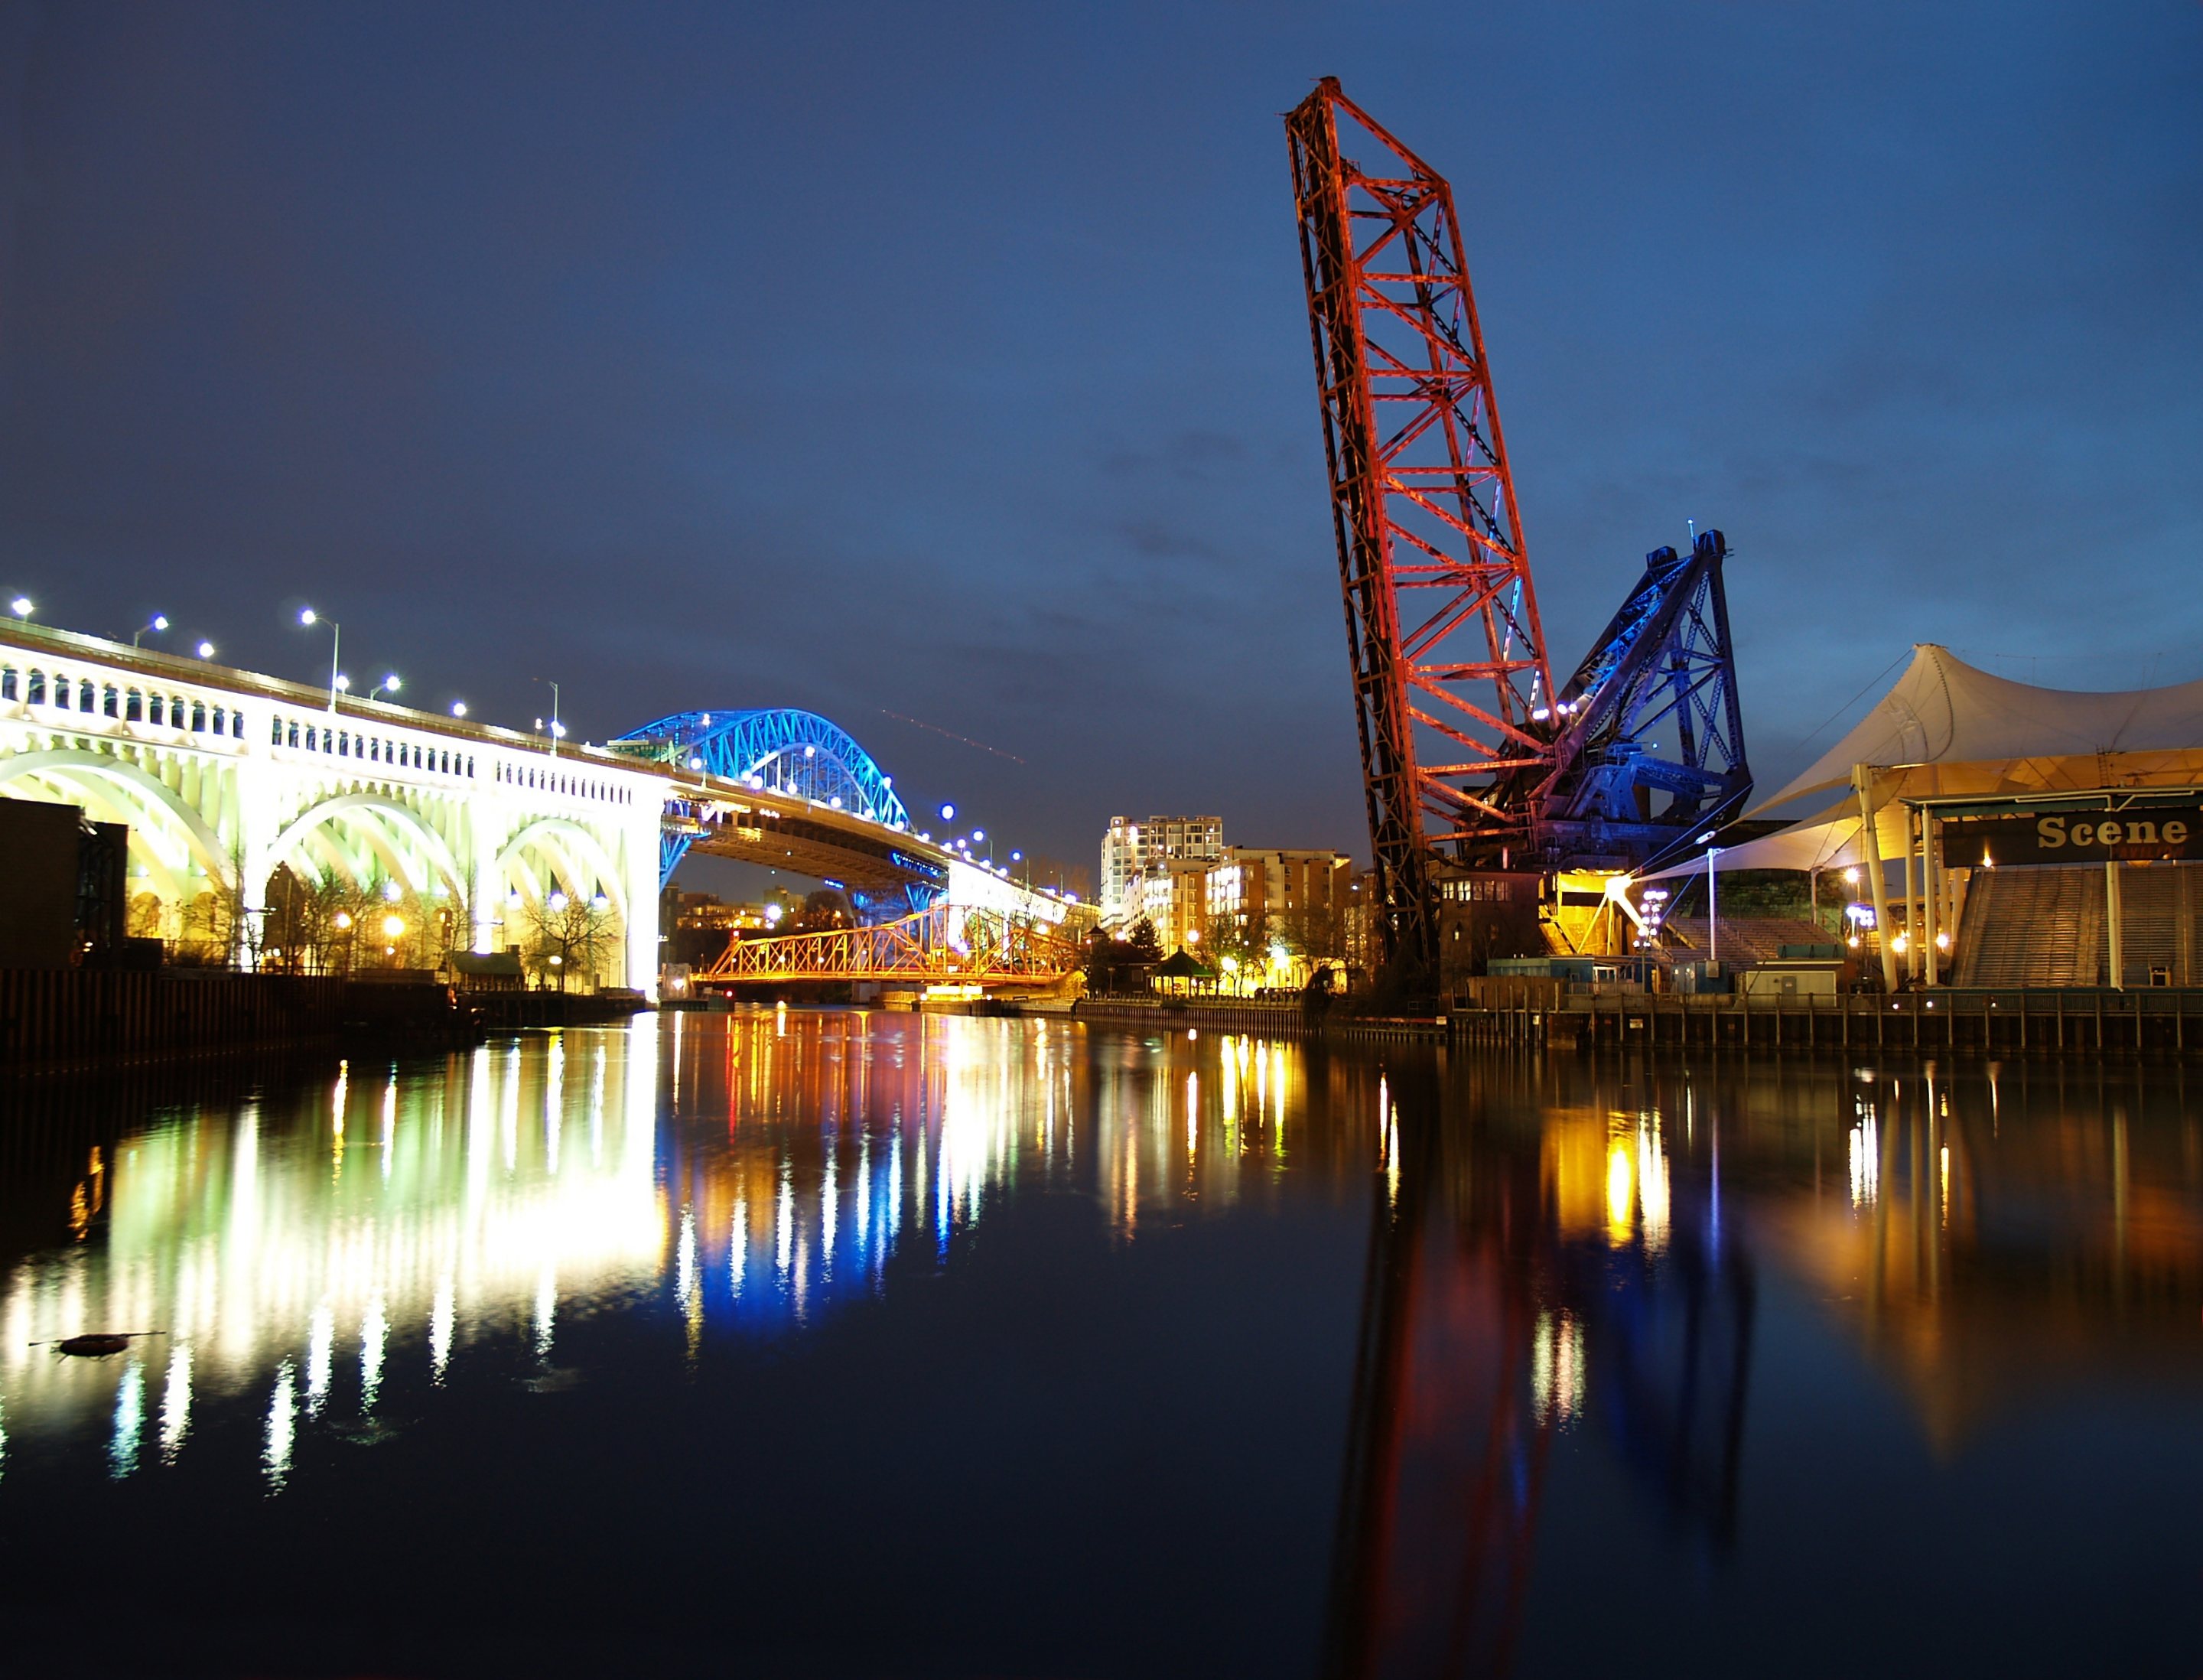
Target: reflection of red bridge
948	944
1482	1314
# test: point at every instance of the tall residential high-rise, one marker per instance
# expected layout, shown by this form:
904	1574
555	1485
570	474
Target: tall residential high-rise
1131	848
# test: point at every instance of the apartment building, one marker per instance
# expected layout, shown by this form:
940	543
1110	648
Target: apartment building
1132	848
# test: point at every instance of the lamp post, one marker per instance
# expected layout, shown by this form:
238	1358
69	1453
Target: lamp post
310	619
158	621
389	685
557	729
1713	902
21	606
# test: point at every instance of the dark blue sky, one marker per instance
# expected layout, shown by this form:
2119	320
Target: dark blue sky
953	359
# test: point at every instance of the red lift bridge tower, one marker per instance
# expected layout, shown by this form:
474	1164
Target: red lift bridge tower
1441	615
1471	760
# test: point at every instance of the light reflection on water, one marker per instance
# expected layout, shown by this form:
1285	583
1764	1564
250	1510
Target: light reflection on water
259	1254
407	1213
1569	1276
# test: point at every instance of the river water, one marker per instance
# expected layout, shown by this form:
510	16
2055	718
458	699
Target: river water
846	1343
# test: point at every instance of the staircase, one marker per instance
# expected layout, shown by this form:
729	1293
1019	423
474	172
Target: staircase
2035	927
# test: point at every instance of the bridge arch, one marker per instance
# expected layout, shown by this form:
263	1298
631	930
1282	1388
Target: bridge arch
783	749
167	833
379	823
576	857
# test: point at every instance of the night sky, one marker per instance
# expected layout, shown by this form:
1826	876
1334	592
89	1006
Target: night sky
953	362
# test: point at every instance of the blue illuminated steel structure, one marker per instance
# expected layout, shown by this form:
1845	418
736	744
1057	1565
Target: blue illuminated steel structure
783	751
1650	750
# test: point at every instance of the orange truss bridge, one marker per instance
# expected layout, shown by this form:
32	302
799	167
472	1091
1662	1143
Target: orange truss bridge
948	944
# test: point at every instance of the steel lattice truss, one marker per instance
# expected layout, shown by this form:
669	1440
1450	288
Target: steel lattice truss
1441	615
948	944
1651	715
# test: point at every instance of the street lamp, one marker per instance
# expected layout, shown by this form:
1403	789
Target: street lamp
157	623
310	619
206	650
948	814
389	685
557	729
1713	901
458	708
21	607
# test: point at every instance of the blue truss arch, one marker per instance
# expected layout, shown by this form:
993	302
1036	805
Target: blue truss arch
799	754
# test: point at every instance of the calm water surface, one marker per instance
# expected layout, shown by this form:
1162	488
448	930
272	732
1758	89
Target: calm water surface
841	1343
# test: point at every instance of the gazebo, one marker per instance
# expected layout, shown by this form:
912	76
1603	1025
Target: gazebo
1181	972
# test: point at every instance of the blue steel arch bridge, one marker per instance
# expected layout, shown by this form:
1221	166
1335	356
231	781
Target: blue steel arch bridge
794	790
792	755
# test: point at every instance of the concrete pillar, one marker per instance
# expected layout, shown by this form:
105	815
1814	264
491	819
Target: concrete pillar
2113	928
1911	895
485	825
1862	780
640	870
253	843
1932	893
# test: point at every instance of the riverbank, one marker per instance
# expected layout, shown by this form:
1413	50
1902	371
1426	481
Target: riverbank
59	1019
2034	1021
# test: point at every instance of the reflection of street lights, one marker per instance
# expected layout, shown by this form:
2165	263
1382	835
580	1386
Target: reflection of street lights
307	617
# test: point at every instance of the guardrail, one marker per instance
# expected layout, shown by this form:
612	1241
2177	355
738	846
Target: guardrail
2020	1021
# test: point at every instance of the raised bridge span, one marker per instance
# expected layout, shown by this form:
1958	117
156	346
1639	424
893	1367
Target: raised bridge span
225	777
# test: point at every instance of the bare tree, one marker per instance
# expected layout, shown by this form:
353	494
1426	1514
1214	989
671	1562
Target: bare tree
571	936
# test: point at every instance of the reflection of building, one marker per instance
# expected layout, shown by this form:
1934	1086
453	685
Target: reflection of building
1130	850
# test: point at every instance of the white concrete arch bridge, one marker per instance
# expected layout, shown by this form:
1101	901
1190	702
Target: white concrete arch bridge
224	777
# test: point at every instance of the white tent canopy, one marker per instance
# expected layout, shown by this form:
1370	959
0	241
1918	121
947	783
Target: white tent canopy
1946	729
1944	711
